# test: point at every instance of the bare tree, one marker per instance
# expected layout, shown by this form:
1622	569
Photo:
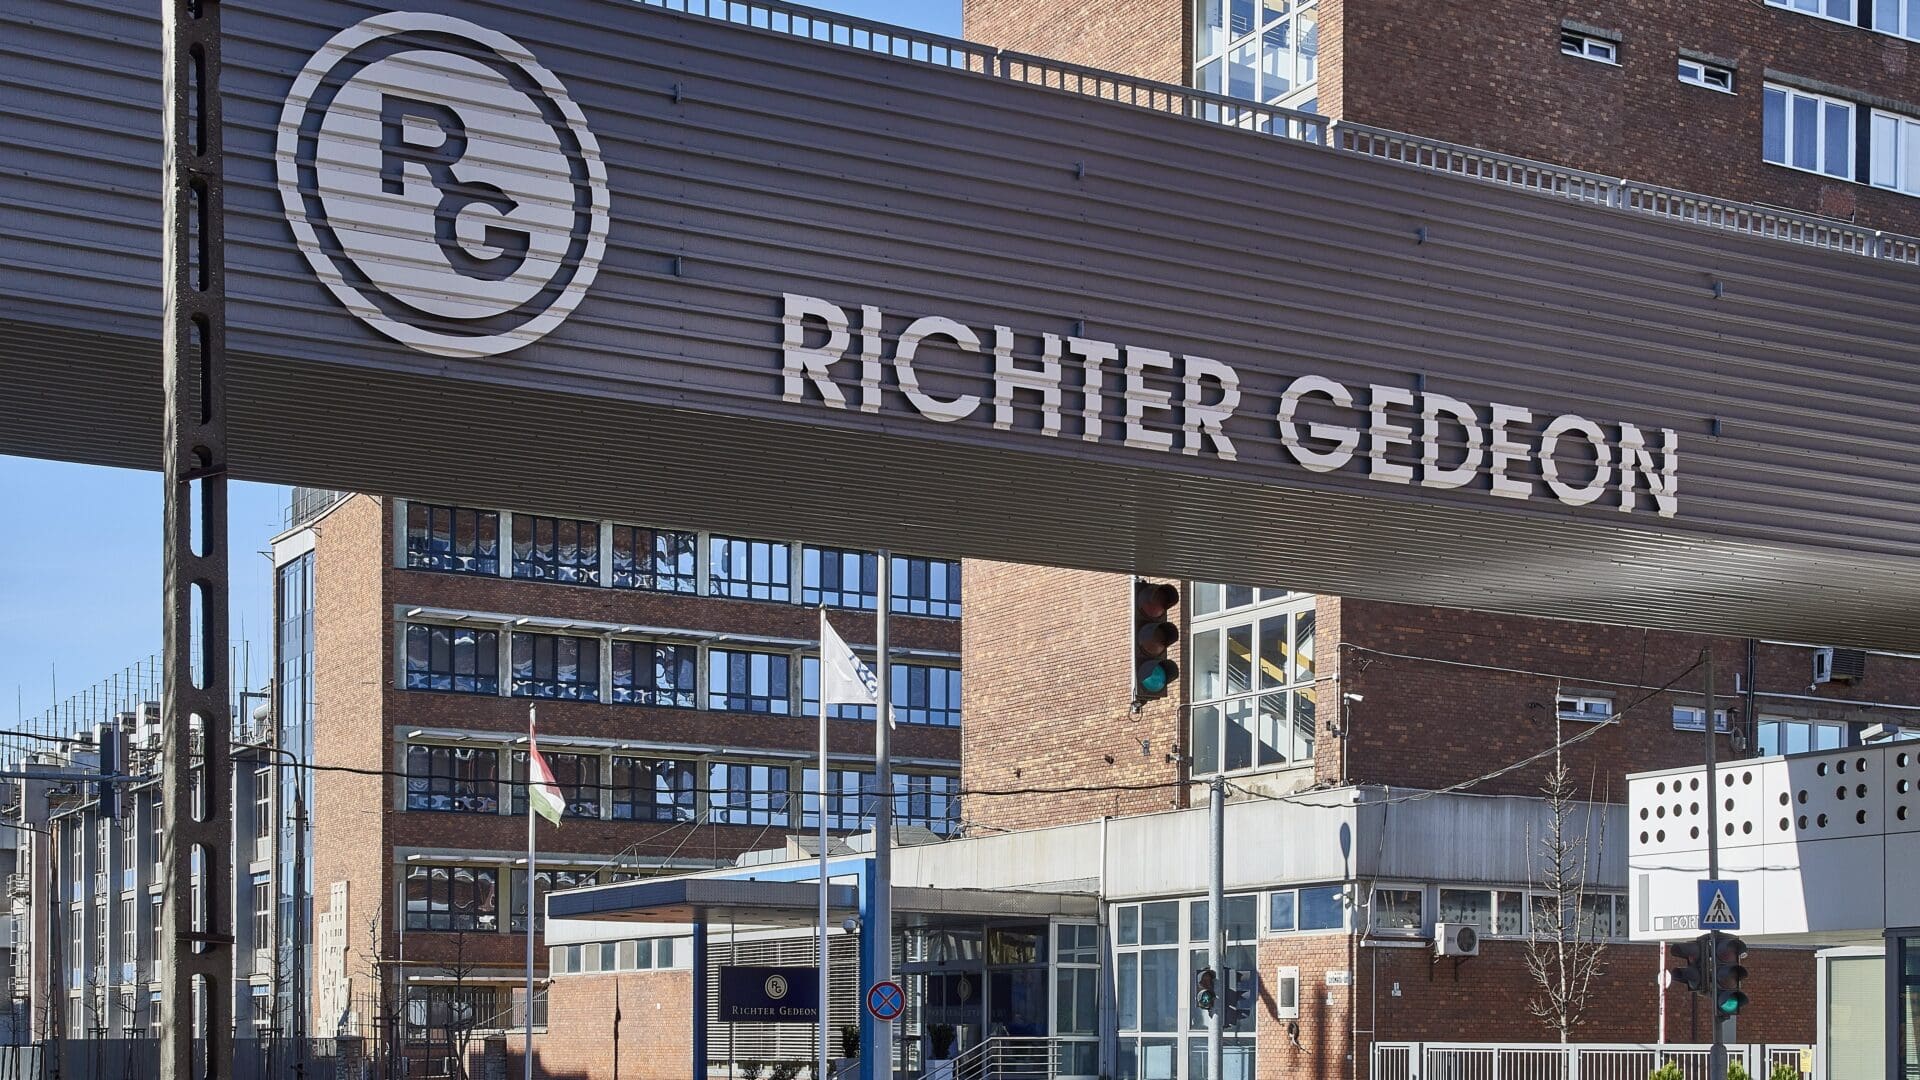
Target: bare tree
462	1016
1566	941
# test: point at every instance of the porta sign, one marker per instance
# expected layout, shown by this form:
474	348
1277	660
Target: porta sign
769	995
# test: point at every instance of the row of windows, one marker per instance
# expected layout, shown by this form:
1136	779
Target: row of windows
460	540
466	659
1394	910
646	954
1898	17
468	780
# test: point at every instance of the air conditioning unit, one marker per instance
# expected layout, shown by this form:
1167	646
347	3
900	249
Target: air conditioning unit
1456	939
1832	665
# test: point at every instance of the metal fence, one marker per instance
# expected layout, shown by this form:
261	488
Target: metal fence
1433	155
1555	1061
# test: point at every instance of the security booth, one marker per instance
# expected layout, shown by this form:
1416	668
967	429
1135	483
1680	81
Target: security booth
1003	975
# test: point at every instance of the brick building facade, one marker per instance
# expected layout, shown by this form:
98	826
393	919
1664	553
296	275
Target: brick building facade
675	677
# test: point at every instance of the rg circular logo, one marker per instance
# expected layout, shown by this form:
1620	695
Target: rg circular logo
776	987
442	184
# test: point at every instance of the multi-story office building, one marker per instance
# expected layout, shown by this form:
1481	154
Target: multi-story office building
1808	105
675	675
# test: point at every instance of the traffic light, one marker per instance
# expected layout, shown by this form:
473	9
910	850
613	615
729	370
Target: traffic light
1203	990
1154	636
1729	972
1692	973
1237	998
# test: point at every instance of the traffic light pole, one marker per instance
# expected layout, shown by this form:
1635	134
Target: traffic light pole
1717	1064
1217	921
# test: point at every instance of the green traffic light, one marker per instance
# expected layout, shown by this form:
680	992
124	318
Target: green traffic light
1155	679
1731	1002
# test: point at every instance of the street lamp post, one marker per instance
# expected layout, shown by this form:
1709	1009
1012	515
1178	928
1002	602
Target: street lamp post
264	711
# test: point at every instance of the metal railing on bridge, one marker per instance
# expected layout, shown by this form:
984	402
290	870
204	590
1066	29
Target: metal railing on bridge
1557	1061
1430	155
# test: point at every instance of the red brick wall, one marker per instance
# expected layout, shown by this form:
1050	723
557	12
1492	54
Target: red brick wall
1494	77
635	1026
1146	38
1049	666
350	668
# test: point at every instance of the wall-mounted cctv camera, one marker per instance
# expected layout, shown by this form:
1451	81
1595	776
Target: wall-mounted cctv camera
849	925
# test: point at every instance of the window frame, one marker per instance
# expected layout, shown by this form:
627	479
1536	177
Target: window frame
1272	722
1703	74
477	919
1904	128
448	784
423	521
720	696
815	563
904	598
671	563
1820	135
1420	921
485	677
544	561
1583	46
776	586
579	793
1851	18
1581	712
676	801
584	686
763	805
685	659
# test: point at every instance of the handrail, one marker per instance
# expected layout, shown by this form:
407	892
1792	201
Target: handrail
1433	155
1005	1057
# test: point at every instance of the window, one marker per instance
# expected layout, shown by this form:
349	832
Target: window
1806	131
566	550
1493	912
850	798
1323	908
834	577
556	666
1076	1015
1267	53
262	804
129	938
1901	17
155	928
1711	76
748	794
1592	710
1840	10
810	694
452	898
1589	47
749	681
261	996
931	802
262	911
1694	718
925	587
646	789
457	658
655	559
1779	735
544	882
749	569
650	673
576	775
925	695
1154	973
1603	917
452	539
457	779
1398	911
1286	993
1252	669
1895	151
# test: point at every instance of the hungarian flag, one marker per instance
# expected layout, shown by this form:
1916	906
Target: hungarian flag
543	794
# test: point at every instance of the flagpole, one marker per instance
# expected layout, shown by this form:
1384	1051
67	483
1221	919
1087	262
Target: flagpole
820	1065
882	928
531	869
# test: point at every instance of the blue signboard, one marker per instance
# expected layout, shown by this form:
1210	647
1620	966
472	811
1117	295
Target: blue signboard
769	995
1719	904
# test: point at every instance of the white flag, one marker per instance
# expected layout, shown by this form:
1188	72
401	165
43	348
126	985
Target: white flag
844	678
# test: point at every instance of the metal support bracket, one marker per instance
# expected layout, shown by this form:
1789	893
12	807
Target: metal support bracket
196	952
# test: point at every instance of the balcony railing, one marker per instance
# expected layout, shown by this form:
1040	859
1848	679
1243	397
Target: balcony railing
1432	155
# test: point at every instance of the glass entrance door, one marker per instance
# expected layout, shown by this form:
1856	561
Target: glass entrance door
1017	1002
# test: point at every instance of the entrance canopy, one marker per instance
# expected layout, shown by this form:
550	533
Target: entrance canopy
717	900
869	287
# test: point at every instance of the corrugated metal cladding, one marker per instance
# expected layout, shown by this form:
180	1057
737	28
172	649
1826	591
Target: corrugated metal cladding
744	165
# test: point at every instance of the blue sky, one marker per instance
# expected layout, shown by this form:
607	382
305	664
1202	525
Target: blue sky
80	545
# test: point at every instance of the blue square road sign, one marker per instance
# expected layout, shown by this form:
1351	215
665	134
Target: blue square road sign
1719	904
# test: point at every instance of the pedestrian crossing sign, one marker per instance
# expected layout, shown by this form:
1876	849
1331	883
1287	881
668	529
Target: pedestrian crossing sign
1719	904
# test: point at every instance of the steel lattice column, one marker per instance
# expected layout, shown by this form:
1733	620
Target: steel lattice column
196	955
